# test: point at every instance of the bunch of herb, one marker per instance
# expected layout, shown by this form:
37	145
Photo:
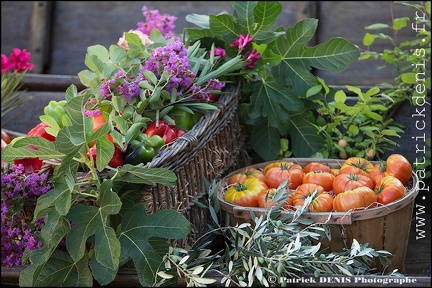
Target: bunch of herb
142	84
268	248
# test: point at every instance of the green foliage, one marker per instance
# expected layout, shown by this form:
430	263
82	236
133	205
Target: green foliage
366	127
409	60
362	125
275	91
93	225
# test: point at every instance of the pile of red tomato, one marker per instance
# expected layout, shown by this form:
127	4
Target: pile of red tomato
357	184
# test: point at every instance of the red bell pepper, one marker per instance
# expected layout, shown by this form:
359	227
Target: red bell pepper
168	132
116	160
33	165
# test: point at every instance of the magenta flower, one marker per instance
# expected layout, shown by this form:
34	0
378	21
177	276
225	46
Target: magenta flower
242	42
251	57
219	52
6	65
20	60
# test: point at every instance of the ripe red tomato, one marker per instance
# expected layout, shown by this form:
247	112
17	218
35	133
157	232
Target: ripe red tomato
400	167
278	172
389	189
116	159
316	166
363	166
358	198
321	203
290	204
305	190
98	121
378	172
344	182
319	177
265	199
245	174
33	165
246	193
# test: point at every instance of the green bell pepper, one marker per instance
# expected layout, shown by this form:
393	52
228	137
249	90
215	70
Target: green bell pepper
185	120
56	110
143	149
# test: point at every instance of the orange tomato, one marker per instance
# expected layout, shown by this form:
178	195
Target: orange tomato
355	165
282	171
244	174
389	189
265	199
98	121
316	166
319	177
378	172
358	198
400	167
305	190
321	203
344	182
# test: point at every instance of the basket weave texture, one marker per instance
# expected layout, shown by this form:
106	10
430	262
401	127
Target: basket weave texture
213	148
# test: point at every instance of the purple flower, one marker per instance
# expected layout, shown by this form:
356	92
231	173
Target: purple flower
153	19
19	195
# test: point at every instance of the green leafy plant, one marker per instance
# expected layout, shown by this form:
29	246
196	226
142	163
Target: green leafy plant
409	60
361	129
275	90
365	127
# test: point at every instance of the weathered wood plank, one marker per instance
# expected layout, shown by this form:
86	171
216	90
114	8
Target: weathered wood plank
39	31
348	19
76	25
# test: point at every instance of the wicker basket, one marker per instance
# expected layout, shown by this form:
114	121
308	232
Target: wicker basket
385	227
210	150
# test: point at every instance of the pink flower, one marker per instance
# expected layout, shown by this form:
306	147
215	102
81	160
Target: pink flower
251	57
219	52
6	65
18	60
242	42
144	39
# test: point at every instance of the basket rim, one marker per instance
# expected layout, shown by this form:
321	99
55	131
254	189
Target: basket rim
324	217
194	138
